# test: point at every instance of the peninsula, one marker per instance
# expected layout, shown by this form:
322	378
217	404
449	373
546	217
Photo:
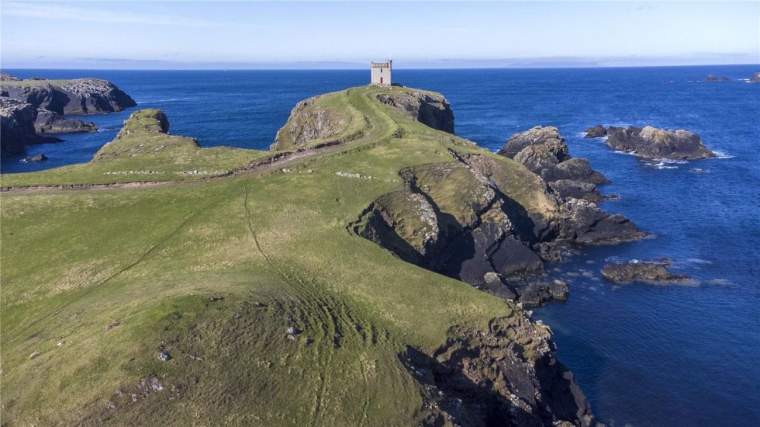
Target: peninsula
369	269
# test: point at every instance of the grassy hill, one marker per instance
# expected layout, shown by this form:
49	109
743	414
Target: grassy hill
210	270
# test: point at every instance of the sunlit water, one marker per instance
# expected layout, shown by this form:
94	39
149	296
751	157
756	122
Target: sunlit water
644	355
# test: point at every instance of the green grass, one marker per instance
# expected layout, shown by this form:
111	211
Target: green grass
142	152
114	274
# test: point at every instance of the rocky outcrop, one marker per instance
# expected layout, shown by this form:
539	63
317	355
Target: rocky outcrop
755	78
17	125
597	131
312	121
653	143
48	122
543	150
547	137
429	108
504	375
488	222
712	78
652	272
144	132
78	96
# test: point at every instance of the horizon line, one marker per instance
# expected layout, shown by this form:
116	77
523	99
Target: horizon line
500	67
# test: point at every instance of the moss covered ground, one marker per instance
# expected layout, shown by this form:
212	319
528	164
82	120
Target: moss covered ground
96	283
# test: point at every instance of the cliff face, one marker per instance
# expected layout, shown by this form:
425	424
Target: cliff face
78	96
49	101
429	108
17	125
506	375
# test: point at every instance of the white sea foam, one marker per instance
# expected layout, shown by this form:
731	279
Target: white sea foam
722	154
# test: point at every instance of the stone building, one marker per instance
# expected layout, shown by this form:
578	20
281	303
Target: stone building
381	73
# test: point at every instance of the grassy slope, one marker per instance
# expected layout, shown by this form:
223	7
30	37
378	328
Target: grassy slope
113	274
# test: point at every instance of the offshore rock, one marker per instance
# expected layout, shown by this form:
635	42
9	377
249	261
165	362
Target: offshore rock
653	272
597	131
653	143
755	78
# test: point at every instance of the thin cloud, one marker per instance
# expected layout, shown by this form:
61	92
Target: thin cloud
90	13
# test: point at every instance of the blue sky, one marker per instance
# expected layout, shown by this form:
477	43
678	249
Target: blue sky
247	34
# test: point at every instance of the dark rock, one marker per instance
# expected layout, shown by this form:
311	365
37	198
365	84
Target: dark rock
16	125
48	122
164	356
713	78
653	272
429	108
582	222
653	143
566	188
505	375
576	169
597	131
34	159
755	78
514	258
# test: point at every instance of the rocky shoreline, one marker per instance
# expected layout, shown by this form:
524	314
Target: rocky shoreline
33	109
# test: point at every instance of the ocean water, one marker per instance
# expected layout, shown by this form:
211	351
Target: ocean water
644	355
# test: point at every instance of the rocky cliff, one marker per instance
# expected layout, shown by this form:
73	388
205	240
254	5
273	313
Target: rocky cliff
426	107
78	96
17	125
50	100
504	375
493	222
544	151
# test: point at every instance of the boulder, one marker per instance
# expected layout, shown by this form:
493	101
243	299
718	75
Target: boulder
653	143
429	108
597	131
652	272
755	78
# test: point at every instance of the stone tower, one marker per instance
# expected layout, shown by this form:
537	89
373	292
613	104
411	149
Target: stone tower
381	73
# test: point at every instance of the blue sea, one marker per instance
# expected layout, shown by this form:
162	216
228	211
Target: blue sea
644	355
